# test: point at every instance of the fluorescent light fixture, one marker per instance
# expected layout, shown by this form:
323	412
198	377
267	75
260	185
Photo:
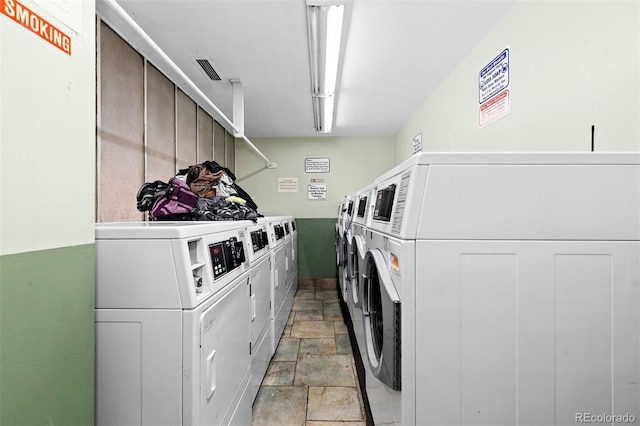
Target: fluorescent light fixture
325	31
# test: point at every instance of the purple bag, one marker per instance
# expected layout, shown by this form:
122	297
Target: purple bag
179	200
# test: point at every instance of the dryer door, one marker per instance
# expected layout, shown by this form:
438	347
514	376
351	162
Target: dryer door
381	313
337	237
357	260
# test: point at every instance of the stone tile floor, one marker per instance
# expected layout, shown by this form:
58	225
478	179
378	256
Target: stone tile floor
312	379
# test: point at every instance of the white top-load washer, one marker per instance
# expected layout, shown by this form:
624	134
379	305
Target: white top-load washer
292	248
279	263
520	304
259	262
292	257
172	323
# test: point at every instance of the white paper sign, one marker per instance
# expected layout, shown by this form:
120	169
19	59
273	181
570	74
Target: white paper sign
288	184
317	165
494	109
417	143
316	192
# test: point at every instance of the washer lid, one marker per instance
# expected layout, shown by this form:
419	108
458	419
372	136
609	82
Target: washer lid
158	230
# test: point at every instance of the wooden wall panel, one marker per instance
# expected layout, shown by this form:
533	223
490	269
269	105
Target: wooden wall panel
186	144
205	136
219	136
179	132
120	128
230	150
161	126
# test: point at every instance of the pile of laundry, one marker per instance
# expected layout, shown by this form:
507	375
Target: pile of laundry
204	191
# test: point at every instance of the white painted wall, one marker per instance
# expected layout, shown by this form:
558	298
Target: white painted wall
574	64
47	131
355	162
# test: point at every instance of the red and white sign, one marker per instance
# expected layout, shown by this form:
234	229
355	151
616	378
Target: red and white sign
494	85
495	108
30	20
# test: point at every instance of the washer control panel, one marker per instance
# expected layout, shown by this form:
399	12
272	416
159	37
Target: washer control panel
259	240
279	231
226	256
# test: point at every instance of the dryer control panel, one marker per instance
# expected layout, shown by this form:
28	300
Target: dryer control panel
226	256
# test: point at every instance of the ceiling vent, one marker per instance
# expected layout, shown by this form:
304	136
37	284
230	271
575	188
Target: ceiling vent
206	66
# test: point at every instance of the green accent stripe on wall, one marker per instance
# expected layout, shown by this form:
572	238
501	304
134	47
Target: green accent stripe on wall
316	248
47	337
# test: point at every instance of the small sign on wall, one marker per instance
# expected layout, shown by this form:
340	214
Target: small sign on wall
417	143
288	184
35	23
494	82
317	165
316	192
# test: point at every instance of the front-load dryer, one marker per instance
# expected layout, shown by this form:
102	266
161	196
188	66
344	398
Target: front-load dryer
525	267
358	246
344	228
388	268
527	296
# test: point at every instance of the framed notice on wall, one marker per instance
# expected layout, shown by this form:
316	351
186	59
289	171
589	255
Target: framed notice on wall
288	184
317	165
316	192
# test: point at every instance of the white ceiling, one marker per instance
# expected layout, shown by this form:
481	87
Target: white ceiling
395	54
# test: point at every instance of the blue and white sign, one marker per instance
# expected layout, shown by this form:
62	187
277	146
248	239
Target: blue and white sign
494	77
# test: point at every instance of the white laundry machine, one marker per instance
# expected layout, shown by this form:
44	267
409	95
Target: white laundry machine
363	208
259	262
517	286
346	207
388	268
279	263
291	270
347	225
350	266
530	265
338	231
172	324
292	248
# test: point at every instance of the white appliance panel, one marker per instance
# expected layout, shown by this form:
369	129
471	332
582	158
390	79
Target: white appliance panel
260	299
123	370
224	355
531	316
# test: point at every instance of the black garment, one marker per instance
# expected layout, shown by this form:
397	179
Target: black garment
149	193
214	209
218	208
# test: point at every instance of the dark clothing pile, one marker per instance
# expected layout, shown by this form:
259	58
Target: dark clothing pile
204	191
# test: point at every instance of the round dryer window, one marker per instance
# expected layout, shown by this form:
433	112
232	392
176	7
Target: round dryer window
381	313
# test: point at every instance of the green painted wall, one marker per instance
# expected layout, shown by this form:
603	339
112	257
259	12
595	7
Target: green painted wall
316	248
46	337
354	163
